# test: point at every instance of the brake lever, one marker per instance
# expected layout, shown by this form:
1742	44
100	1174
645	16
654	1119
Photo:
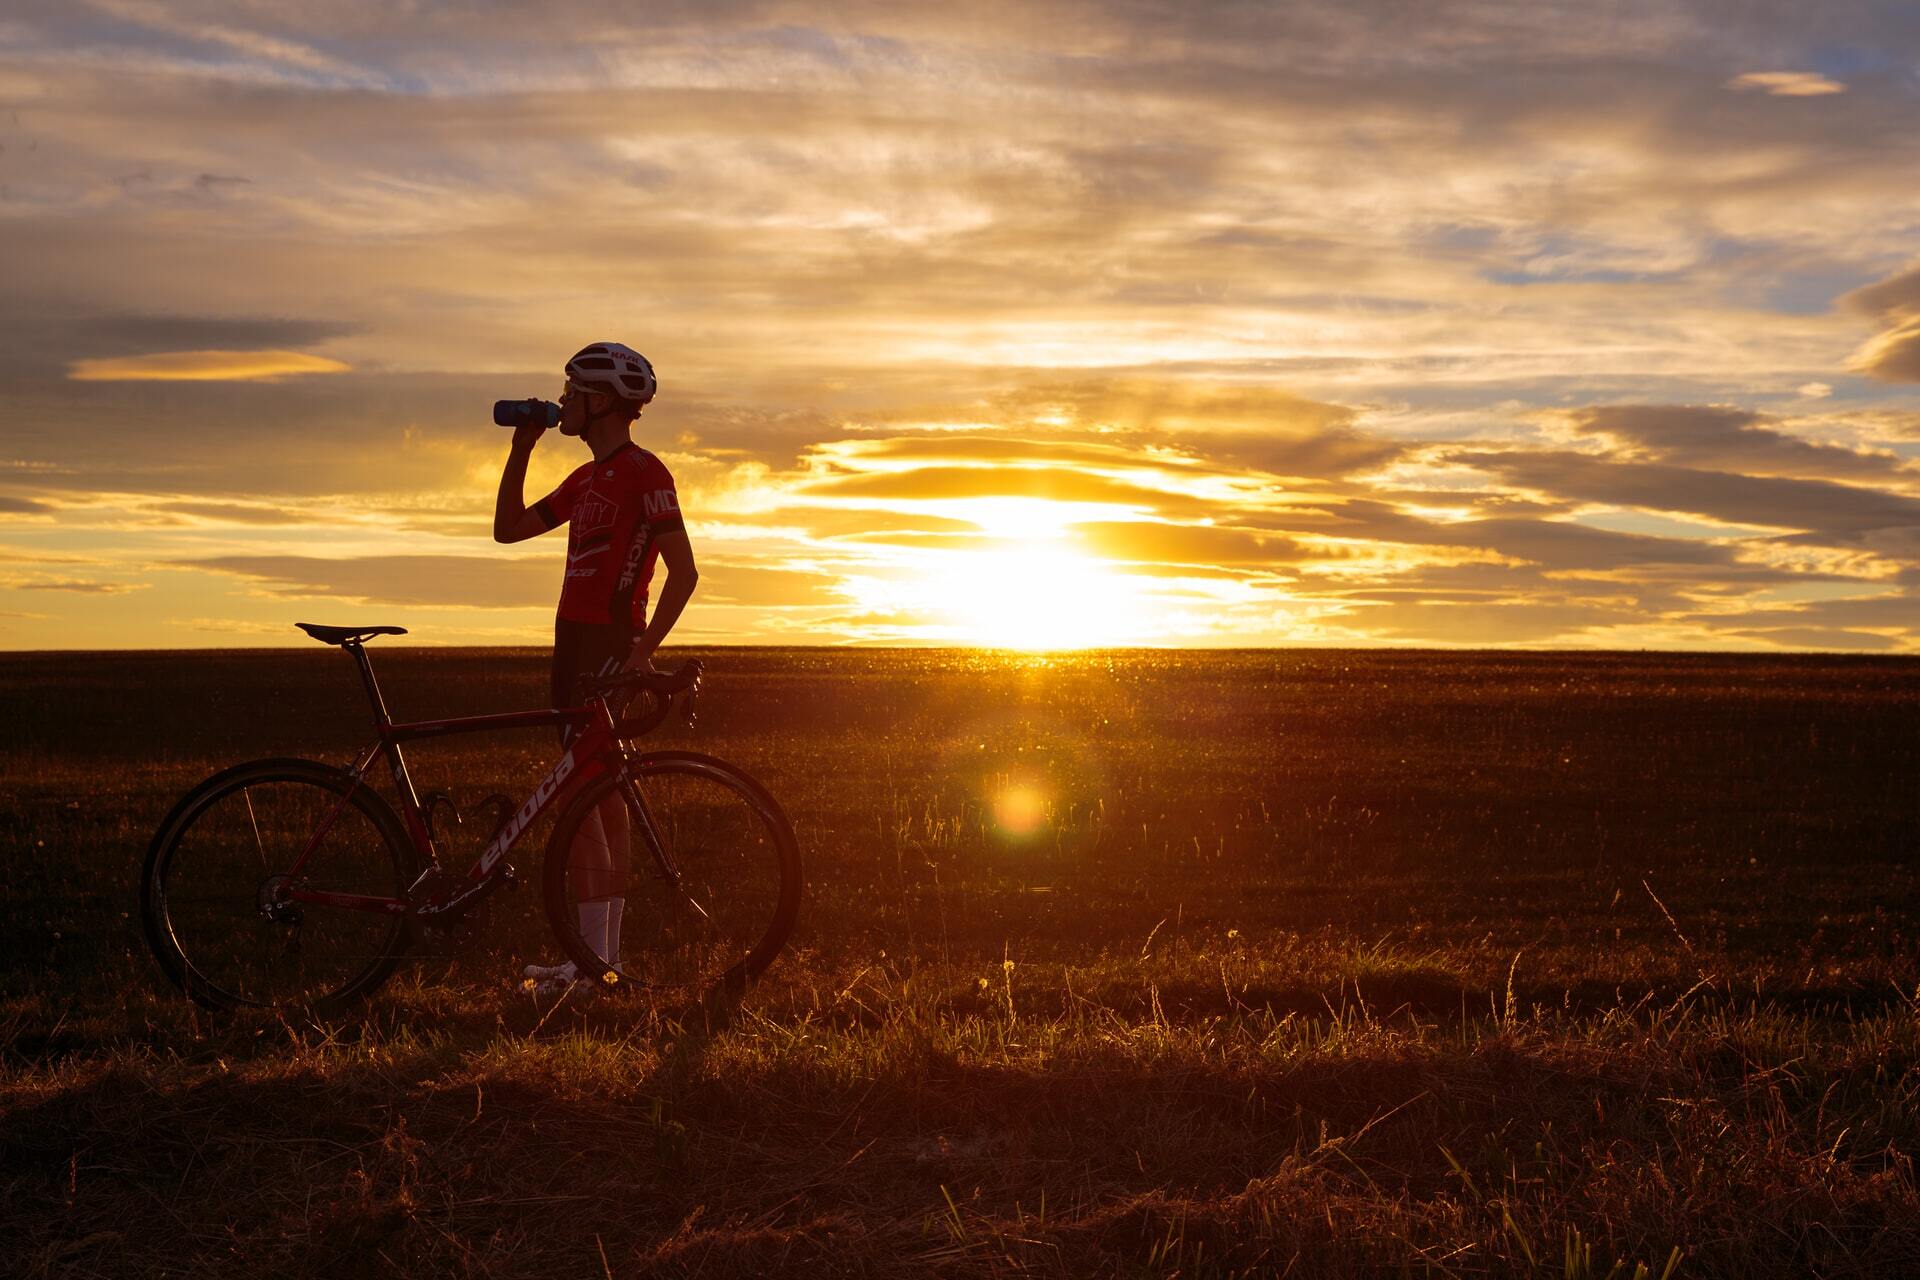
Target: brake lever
662	699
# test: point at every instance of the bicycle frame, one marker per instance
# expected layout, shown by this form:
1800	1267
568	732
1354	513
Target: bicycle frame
584	760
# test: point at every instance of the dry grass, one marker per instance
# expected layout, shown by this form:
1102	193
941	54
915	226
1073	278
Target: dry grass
1321	964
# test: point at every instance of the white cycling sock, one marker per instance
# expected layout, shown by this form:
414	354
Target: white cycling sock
616	907
593	927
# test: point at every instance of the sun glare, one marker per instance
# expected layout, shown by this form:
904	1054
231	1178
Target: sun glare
1041	598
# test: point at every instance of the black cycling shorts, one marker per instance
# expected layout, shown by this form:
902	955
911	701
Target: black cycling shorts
582	649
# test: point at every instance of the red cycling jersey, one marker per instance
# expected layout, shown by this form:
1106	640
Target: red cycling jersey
617	507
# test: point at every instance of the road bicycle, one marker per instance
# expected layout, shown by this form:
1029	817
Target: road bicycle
287	883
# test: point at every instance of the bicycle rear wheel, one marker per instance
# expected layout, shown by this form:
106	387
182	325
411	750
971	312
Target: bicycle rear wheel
705	893
215	894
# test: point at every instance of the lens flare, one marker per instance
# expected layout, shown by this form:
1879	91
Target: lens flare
1019	809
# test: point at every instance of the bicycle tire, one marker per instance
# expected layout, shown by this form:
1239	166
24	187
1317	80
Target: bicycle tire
204	904
738	857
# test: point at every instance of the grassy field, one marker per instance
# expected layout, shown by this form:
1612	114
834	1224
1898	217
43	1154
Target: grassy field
1307	963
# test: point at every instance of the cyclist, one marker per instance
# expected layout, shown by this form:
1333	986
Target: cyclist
622	515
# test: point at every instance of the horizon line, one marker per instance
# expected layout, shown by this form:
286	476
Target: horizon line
1035	654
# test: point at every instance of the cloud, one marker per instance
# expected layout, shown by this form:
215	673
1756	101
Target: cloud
43	558
1558	545
202	366
245	41
1898	295
1154	542
1896	611
1338	451
1787	84
360	437
1483	623
1154	455
79	587
1817	638
1048	484
133	333
1563	546
729	581
235	513
1898	543
981	448
1814	506
1725	438
1894	353
11	505
1133	420
855	522
427	581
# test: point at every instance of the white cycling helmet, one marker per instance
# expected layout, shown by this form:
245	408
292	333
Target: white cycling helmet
616	368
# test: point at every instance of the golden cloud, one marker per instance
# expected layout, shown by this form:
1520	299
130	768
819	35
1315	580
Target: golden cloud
1155	542
1786	84
1893	355
203	366
1046	483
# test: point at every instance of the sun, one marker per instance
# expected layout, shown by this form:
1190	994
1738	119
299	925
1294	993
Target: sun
1036	597
1025	581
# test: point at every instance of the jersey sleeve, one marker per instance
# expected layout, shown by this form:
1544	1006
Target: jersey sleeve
557	507
660	503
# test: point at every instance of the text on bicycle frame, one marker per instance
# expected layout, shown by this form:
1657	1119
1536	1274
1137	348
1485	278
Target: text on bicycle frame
528	812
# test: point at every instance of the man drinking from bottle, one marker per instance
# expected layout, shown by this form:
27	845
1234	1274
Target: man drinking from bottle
622	515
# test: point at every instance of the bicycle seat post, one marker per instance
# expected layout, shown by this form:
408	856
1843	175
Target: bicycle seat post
380	716
396	759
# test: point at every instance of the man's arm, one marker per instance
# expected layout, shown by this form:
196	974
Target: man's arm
512	521
676	553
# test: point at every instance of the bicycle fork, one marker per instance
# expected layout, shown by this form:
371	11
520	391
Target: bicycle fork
651	838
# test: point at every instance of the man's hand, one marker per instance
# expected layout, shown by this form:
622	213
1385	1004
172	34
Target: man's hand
528	434
640	662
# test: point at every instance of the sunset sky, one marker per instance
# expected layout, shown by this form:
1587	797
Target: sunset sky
1589	325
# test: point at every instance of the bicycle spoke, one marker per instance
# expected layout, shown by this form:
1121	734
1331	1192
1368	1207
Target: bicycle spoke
693	902
247	795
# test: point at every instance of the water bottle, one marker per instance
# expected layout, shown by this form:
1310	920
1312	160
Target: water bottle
518	413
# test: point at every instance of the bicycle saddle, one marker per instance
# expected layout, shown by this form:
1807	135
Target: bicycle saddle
346	635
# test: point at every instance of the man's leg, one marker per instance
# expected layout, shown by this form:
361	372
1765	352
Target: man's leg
582	860
599	859
613	825
599	862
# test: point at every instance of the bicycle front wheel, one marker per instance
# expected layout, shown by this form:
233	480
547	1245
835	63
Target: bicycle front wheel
228	917
681	882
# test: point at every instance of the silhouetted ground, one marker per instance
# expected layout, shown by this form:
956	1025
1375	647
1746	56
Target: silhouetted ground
1339	961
